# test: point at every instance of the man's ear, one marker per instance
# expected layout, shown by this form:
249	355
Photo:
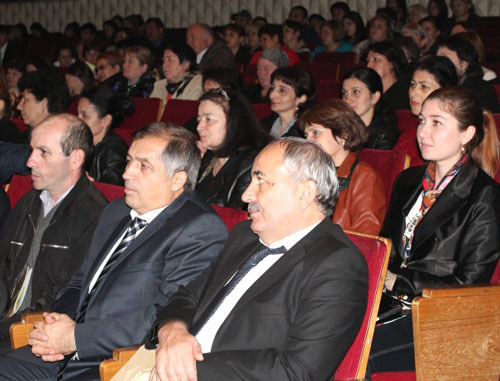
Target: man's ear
77	158
179	181
307	193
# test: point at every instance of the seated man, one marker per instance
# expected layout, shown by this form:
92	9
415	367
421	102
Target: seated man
289	315
48	233
160	236
109	70
271	36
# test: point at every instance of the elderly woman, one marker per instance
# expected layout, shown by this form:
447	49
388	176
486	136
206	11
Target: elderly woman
332	35
270	60
443	217
292	93
79	78
103	110
230	137
137	69
182	81
341	133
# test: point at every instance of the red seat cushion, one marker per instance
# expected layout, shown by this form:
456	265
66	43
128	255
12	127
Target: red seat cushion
179	111
230	216
394	376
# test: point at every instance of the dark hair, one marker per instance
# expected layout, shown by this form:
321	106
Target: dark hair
442	9
466	52
466	108
108	102
409	47
5	97
37	27
112	58
235	28
90	27
47	84
75	28
388	24
373	82
16	64
184	52
40	63
393	53
431	19
226	77
401	4
302	9
157	21
472	9
336	28
272	30
66	47
94	43
340	118
473	37
83	73
340	5
301	82
77	136
360	34
316	16
296	27
441	68
243	130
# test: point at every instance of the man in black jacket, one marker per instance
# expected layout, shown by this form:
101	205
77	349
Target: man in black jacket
49	231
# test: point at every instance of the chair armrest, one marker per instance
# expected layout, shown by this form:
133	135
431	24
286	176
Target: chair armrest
109	368
19	332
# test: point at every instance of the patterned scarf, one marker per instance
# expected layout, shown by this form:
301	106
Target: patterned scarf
429	195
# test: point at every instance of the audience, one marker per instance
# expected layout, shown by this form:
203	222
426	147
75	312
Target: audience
234	35
270	60
109	69
79	79
354	28
332	37
271	36
137	69
293	36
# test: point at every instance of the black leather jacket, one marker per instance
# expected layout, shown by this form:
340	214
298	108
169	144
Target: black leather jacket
383	133
109	160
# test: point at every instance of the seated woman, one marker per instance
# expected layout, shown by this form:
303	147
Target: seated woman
230	138
292	92
270	60
354	28
103	110
470	74
234	35
362	90
341	133
79	79
443	218
8	130
332	36
13	73
182	81
293	36
138	70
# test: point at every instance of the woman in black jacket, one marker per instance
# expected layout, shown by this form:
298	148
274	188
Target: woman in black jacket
443	218
102	110
230	138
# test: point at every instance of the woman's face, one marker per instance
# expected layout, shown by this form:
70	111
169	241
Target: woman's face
132	68
232	38
438	135
12	77
88	113
174	70
459	8
324	137
349	27
422	84
431	30
264	70
381	65
289	36
358	96
460	65
212	125
378	30
253	37
283	98
327	36
74	84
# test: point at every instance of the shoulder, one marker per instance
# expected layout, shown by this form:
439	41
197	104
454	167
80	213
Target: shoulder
366	172
159	89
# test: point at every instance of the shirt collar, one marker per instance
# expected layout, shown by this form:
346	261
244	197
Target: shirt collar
148	216
47	200
289	241
199	57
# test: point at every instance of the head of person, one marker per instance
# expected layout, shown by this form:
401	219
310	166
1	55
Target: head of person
460	27
428	75
109	28
388	60
178	60
461	9
200	37
417	33
473	37
294	185
430	25
298	13
271	36
123	34
138	60
227	123
79	78
252	32
38	63
437	8
87	31
72	31
354	27
380	29
61	145
463	55
5	103
234	35
270	60
14	70
44	92
292	90
107	65
339	10
102	110
65	56
315	21
463	127
362	89
38	31
92	48
293	32
219	77
243	18
331	33
155	29
416	12
410	48
162	162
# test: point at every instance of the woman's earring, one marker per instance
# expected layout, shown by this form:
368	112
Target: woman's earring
462	148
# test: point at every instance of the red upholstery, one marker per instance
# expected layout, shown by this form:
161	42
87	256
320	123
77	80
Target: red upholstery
21	126
179	111
394	376
250	71
110	191
18	187
347	57
327	89
125	134
346	67
495	279
230	216
304	56
407	143
497	89
406	120
147	110
376	254
73	107
261	110
387	163
321	70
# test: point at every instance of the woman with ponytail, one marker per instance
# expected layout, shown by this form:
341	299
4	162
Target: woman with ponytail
443	218
102	110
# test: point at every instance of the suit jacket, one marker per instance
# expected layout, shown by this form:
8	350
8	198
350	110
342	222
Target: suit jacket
456	242
217	55
297	321
173	249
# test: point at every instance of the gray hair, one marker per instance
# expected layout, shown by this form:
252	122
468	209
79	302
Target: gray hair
305	160
276	56
180	153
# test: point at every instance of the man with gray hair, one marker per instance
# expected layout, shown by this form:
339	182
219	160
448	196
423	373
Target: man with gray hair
287	295
159	237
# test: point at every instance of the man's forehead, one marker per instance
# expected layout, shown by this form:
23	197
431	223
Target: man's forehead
269	161
148	147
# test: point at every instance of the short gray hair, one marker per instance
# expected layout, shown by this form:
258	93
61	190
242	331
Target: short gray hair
276	56
305	160
180	154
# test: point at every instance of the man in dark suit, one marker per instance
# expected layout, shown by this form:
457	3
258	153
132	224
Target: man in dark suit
293	314
161	236
8	50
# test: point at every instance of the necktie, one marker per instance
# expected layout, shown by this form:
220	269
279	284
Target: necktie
250	263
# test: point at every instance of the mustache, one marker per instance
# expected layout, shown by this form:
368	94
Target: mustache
253	207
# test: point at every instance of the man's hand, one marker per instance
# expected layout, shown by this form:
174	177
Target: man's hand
53	338
177	354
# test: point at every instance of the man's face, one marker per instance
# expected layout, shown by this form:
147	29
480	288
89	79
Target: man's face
104	70
50	168
338	14
197	39
153	32
269	42
65	58
147	185
273	197
297	15
32	110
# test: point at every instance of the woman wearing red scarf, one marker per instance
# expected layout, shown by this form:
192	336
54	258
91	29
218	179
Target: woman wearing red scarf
443	218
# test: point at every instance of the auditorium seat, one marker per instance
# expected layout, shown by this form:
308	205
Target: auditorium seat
21	126
261	110
147	110
335	57
179	111
327	89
